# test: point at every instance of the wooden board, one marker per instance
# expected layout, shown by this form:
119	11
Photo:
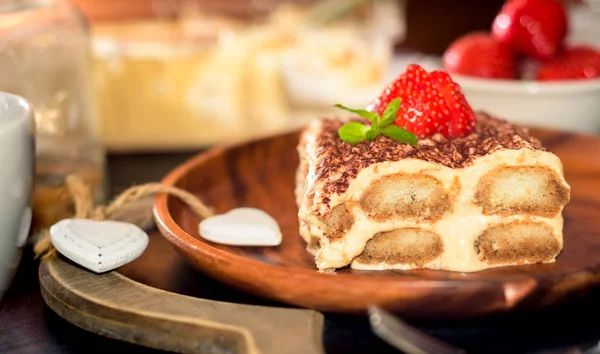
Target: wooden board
262	174
115	306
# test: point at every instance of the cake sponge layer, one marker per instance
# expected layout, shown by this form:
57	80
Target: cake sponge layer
405	196
337	223
518	243
529	190
410	246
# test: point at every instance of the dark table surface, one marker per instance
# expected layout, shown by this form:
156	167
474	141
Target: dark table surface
28	326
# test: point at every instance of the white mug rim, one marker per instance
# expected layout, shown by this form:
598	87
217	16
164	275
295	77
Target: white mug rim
18	110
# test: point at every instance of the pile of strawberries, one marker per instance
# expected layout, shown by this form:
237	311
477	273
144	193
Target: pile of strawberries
524	34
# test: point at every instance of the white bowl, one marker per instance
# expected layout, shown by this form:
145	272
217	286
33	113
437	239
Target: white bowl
572	105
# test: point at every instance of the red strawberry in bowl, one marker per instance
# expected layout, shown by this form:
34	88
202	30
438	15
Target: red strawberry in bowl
535	28
573	63
479	54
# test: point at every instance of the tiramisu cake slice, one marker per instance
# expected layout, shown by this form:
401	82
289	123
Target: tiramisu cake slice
474	192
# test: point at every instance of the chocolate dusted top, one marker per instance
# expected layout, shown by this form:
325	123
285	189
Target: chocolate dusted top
338	163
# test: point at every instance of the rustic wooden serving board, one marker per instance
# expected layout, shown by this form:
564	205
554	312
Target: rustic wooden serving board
115	306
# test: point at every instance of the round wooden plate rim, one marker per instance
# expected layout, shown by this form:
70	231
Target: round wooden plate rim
180	238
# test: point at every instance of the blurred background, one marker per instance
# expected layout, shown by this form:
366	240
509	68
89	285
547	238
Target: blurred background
140	76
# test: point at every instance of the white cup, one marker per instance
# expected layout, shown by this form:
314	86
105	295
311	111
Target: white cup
17	161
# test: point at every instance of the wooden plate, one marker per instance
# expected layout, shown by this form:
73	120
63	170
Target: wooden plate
261	174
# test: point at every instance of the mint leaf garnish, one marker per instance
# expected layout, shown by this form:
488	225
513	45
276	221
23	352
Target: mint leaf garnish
371	116
373	132
355	132
399	134
389	115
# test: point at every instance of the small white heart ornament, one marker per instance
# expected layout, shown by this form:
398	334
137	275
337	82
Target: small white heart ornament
242	227
99	246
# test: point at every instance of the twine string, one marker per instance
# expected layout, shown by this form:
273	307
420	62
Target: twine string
84	206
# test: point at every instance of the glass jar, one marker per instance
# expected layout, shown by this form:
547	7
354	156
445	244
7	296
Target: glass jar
213	72
44	56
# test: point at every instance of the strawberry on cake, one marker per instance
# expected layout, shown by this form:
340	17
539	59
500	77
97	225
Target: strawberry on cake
419	180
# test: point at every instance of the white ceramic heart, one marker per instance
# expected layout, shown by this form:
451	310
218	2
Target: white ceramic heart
99	246
242	227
